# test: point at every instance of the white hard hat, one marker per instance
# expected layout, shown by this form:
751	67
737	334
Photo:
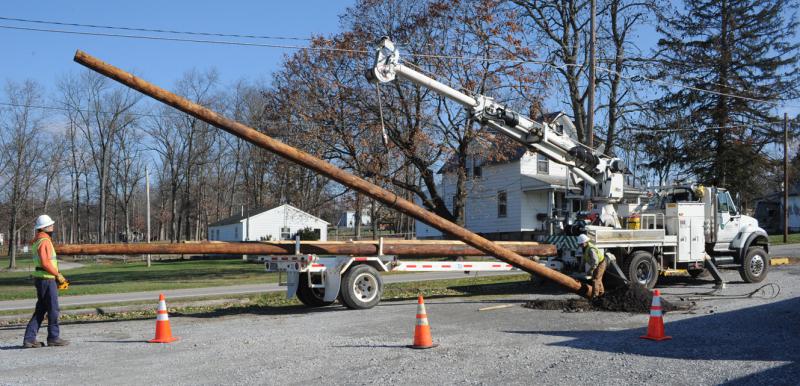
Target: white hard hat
583	238
43	221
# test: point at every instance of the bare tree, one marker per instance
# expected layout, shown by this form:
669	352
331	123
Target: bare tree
101	109
22	144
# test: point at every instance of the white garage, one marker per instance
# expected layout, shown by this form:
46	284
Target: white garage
280	223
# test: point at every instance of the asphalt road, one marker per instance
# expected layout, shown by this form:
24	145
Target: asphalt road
786	250
70	301
737	341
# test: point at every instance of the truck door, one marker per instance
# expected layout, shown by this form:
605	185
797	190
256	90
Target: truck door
727	220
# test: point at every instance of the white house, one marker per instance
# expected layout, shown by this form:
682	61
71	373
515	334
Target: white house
348	219
280	223
512	199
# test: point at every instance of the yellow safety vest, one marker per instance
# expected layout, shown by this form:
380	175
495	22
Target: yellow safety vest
589	249
39	271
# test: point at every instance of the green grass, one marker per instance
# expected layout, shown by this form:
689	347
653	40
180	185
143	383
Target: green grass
276	303
120	277
793	238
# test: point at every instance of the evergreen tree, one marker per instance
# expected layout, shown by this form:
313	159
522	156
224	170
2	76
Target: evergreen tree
742	48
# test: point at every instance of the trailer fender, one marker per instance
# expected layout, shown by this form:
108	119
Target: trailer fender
292	282
374	262
333	282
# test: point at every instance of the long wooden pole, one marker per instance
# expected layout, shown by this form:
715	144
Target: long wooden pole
404	248
306	160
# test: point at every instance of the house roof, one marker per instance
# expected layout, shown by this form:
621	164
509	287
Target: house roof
256	212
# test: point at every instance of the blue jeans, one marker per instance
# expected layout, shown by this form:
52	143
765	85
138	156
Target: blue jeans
46	303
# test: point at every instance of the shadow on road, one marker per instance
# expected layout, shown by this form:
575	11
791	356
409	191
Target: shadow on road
762	333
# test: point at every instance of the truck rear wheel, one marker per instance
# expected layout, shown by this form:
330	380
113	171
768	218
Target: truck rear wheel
641	267
310	297
362	287
754	265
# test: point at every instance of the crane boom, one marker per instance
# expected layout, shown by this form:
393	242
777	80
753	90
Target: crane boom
602	174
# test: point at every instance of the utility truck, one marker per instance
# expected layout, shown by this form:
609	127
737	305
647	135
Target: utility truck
683	226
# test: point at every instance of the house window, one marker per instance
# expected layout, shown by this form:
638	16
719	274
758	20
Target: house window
502	203
477	172
236	233
542	164
286	233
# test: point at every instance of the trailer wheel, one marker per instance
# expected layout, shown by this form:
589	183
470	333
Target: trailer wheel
310	297
641	267
754	265
362	287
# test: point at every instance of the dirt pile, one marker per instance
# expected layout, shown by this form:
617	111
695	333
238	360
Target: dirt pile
634	298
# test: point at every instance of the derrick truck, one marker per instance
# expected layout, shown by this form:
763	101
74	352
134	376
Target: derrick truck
682	227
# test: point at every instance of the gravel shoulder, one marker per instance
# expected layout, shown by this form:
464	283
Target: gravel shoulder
731	340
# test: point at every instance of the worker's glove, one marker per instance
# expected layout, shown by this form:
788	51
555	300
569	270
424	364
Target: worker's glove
60	279
64	285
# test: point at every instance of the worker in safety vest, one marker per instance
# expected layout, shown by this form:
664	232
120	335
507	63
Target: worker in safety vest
47	280
595	264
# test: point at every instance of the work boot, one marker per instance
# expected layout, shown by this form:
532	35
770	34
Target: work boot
33	344
57	342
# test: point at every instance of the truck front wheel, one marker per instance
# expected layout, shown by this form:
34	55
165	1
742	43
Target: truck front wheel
754	265
362	287
642	267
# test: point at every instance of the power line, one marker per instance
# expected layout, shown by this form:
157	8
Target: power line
634	78
205	41
155	30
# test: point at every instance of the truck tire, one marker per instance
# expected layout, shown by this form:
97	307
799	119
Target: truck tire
641	267
754	265
311	297
362	287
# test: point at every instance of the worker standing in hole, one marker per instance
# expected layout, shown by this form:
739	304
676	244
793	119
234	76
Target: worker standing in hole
47	280
595	263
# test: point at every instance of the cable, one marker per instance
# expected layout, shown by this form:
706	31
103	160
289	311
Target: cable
220	42
330	49
766	291
155	30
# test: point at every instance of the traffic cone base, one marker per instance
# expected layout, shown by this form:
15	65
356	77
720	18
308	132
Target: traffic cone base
655	327
422	330
163	330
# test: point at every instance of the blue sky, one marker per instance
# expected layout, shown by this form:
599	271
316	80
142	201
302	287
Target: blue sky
45	56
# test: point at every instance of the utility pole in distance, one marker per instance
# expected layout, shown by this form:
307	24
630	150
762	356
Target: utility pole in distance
147	193
785	178
592	61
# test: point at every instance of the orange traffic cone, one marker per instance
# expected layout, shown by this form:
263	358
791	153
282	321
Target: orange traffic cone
422	330
655	328
163	331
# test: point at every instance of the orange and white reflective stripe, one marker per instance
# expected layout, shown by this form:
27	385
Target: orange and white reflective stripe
422	316
162	314
448	266
655	308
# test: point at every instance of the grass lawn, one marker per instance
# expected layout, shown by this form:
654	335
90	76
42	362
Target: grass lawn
120	277
794	238
487	287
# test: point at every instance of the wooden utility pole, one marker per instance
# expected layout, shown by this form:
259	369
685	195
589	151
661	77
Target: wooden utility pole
301	158
785	178
592	62
147	190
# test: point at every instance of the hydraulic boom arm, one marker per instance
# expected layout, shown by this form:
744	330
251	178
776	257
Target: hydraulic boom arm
603	173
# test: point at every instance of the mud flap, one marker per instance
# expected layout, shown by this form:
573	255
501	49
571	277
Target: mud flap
333	282
292	282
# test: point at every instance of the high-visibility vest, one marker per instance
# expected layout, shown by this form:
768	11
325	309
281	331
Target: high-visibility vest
39	271
589	249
